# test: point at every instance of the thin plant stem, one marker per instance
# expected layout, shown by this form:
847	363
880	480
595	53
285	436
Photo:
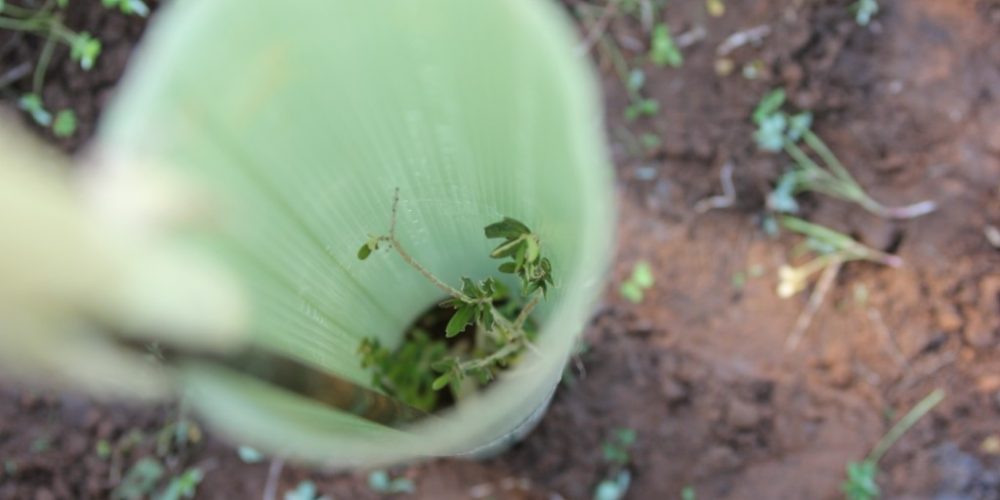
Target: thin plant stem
807	163
67	36
43	65
858	193
804	320
9	23
618	62
827	156
526	311
598	28
446	288
510	333
820	263
426	273
507	350
391	238
909	420
43	12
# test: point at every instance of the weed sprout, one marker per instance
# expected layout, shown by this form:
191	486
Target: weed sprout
779	131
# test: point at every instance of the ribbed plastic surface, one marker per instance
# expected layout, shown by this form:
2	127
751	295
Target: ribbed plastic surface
301	118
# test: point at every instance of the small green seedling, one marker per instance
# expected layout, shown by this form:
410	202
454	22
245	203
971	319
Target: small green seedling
380	482
861	481
64	124
864	11
306	490
177	435
639	106
249	455
85	49
650	142
183	486
103	449
32	104
406	373
498	318
832	247
663	51
634	289
139	481
136	7
634	79
615	451
688	493
779	131
46	22
614	488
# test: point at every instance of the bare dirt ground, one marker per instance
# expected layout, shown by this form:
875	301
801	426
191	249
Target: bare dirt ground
700	368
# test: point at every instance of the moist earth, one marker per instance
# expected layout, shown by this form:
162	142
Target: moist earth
699	368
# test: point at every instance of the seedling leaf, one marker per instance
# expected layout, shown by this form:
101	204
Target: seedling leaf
306	490
249	455
380	482
636	80
864	11
32	104
460	320
769	104
64	124
642	275
782	198
140	480
441	382
85	49
860	483
770	134
507	248
798	125
364	251
614	489
663	51
509	228
183	486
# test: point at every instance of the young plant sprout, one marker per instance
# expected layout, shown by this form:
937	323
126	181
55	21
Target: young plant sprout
136	7
864	11
834	248
634	288
861	476
32	104
46	22
615	451
639	106
779	131
306	490
663	51
64	124
422	364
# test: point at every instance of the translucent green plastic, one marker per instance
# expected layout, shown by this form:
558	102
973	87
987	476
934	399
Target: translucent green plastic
302	118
